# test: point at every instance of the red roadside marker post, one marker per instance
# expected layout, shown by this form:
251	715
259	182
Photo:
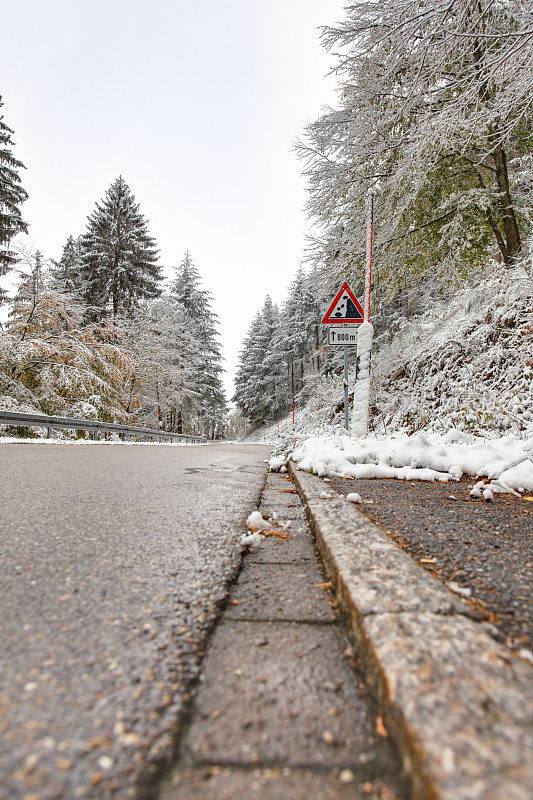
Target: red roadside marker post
361	397
344	312
369	243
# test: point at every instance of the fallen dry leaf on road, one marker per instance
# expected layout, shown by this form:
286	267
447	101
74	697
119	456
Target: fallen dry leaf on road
380	727
325	585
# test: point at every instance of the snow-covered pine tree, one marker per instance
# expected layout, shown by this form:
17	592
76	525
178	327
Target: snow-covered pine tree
260	392
299	337
269	365
119	257
246	378
12	195
65	274
435	110
166	362
209	407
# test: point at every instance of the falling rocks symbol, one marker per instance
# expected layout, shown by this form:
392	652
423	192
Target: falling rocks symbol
350	311
344	308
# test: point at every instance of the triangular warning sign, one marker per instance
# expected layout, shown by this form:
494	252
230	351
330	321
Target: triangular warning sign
345	308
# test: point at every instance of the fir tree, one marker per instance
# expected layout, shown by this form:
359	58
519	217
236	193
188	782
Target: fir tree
281	352
298	339
12	195
258	385
119	257
245	395
210	405
269	365
66	273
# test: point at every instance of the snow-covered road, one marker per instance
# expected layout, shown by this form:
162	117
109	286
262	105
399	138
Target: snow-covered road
113	562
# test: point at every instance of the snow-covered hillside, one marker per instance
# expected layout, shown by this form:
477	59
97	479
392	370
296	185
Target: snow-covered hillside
469	366
465	365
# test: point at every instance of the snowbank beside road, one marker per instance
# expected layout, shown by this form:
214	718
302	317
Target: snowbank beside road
426	456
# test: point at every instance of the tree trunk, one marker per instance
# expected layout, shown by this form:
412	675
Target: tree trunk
510	226
512	245
159	415
132	385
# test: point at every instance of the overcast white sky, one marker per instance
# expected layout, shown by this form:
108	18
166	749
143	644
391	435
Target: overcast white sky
197	103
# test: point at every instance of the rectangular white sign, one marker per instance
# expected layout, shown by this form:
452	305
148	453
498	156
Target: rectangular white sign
339	334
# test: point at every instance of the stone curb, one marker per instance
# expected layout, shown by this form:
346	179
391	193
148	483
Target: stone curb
458	705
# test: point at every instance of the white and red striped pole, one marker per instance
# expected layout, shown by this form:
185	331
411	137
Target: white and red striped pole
361	396
369	242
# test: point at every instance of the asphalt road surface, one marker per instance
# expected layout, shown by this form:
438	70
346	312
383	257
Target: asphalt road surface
114	561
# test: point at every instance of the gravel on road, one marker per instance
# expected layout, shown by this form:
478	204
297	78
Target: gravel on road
115	561
485	548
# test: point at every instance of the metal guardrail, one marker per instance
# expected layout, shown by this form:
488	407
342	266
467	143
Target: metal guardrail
93	426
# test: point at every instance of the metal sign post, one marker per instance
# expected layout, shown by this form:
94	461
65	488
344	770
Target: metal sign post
346	417
344	312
